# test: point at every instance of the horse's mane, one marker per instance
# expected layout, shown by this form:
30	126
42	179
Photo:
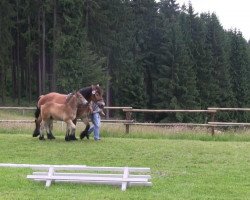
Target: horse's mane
86	92
69	97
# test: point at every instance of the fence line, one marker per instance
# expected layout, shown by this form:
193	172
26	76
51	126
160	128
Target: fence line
130	111
168	111
128	121
17	108
229	109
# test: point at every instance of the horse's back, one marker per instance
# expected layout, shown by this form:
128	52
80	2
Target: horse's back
54	110
52	97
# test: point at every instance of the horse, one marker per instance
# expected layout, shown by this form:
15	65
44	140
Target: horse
91	93
63	112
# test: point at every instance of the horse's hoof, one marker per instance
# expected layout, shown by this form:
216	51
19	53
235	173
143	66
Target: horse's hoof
72	137
67	138
87	135
36	133
50	136
84	134
41	137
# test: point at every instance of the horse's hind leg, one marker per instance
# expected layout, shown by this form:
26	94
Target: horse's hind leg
50	136
38	120
42	127
85	132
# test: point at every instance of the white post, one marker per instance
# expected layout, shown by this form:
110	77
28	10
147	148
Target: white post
50	173
125	176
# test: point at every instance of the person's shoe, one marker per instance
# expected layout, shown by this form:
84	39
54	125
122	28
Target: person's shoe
97	139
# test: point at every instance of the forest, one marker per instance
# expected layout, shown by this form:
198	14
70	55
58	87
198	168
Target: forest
145	54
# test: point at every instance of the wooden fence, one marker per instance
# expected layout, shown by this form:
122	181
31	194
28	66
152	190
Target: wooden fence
128	121
130	111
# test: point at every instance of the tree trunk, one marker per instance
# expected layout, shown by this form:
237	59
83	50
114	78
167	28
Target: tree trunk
14	79
43	51
2	78
108	89
18	57
87	18
39	60
54	64
29	64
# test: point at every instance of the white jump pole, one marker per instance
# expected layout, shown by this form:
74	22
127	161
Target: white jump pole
32	166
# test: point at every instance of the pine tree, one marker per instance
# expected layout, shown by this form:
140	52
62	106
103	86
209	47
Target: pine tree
145	43
239	67
175	84
78	64
6	41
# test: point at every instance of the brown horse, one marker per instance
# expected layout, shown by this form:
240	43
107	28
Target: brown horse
63	112
91	93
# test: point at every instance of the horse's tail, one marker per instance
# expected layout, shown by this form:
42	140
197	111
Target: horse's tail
38	110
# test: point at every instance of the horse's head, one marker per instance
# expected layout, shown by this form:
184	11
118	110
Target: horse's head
96	95
76	96
80	99
93	93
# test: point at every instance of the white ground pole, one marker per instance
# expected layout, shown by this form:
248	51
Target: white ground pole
123	177
43	167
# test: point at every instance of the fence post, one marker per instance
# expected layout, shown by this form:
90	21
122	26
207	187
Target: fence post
212	120
128	117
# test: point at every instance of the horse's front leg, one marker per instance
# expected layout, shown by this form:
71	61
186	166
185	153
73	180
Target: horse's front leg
67	137
50	136
71	127
85	132
38	126
72	136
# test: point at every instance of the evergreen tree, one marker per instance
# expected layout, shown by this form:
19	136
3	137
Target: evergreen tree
165	80
6	41
239	67
145	34
176	84
78	65
222	93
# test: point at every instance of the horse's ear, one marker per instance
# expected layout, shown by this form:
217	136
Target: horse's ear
93	89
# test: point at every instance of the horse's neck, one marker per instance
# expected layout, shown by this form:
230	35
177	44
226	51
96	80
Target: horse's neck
72	103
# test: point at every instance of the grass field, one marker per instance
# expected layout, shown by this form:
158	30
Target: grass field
184	164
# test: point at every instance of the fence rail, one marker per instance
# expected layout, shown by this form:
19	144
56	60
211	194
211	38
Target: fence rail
168	111
229	109
129	121
17	108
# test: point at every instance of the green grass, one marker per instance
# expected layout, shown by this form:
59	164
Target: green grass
180	169
185	163
16	114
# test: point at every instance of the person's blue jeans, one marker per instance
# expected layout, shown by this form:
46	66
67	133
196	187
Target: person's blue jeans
96	120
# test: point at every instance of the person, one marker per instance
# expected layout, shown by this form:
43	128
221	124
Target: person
96	120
